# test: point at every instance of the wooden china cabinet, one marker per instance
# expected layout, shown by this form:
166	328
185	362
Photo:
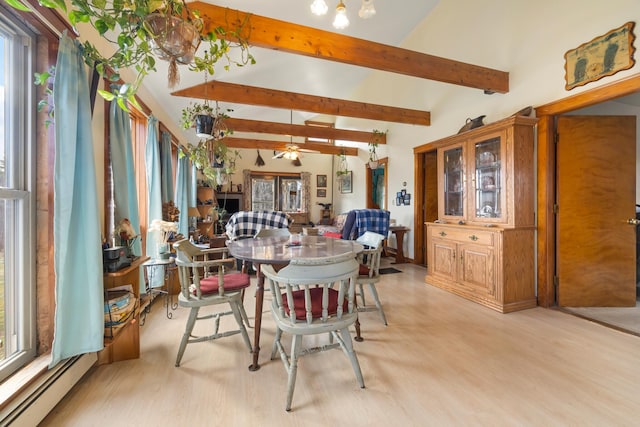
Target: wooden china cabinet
482	245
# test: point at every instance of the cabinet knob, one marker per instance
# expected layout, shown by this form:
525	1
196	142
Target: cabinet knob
473	237
442	233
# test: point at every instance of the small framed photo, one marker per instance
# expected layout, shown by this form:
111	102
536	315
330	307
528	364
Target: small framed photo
321	181
321	192
403	192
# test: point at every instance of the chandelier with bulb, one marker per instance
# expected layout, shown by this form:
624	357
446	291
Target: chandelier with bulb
341	21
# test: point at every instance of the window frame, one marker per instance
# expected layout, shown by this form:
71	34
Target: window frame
19	190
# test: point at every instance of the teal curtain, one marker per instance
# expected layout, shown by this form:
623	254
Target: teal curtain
378	180
193	186
154	197
182	193
166	170
79	315
124	180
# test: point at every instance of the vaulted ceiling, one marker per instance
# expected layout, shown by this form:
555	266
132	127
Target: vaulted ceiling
306	69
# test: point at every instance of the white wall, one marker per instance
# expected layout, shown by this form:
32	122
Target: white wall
527	39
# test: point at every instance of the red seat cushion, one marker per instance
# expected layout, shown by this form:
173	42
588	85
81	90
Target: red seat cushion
316	303
332	234
363	270
232	282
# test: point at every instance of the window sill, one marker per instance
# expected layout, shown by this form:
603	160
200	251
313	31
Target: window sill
21	380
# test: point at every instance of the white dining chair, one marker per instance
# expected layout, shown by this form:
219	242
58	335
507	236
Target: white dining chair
369	272
318	297
198	291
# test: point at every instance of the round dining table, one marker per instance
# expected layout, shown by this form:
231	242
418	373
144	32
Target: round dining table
278	251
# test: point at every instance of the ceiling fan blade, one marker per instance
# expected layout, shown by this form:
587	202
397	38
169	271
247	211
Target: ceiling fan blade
306	150
279	155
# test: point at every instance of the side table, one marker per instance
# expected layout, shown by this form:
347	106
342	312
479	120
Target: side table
399	232
150	269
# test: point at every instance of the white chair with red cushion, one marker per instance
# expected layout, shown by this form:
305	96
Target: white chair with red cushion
318	298
369	273
197	290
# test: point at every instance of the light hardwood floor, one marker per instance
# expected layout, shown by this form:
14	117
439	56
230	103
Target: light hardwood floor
441	361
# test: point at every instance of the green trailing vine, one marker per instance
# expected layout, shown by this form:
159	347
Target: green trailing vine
124	23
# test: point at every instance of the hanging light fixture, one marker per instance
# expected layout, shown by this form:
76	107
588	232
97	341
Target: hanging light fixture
367	10
291	154
319	7
340	22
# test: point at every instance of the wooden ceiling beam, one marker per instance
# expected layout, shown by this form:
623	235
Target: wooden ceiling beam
274	34
257	126
262	144
252	95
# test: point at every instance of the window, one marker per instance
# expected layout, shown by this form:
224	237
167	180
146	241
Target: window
17	197
281	193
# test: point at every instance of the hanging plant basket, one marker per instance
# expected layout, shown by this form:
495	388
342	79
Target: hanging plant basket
173	37
373	164
204	125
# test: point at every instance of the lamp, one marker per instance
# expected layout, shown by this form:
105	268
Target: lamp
340	22
193	212
367	10
319	7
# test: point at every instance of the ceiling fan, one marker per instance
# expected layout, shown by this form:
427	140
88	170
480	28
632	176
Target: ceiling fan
292	152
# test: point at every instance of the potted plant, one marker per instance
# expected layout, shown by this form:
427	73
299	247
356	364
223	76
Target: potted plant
198	115
143	31
214	159
343	168
209	123
373	144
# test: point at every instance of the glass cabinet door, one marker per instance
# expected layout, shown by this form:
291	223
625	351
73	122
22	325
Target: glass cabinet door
488	179
453	182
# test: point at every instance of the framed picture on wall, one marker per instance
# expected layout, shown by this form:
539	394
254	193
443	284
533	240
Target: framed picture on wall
321	192
346	184
321	181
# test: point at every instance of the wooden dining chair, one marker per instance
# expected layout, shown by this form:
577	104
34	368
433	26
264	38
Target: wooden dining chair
199	290
369	272
318	297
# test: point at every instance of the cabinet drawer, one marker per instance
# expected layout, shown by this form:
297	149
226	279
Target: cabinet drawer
463	235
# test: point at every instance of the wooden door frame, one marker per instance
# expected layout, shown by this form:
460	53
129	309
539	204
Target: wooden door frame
369	183
547	115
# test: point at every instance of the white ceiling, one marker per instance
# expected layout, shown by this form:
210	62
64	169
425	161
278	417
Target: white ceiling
393	22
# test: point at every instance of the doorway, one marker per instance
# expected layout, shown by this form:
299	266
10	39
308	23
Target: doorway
622	92
377	185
